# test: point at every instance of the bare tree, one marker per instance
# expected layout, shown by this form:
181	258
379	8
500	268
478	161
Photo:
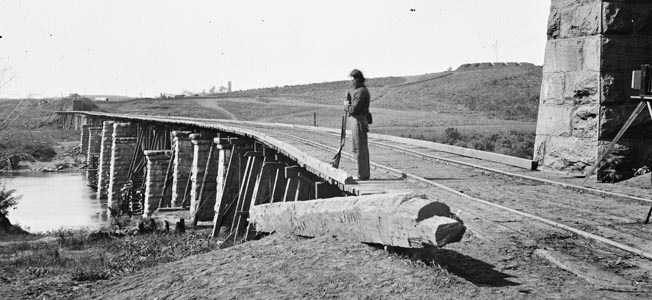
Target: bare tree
5	78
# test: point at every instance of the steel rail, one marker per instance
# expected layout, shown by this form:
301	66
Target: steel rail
448	189
334	132
328	131
505	173
579	232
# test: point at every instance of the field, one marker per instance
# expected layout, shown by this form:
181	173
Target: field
479	104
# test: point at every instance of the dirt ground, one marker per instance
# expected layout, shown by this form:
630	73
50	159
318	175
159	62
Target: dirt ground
289	267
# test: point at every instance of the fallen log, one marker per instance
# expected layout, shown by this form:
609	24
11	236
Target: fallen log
405	220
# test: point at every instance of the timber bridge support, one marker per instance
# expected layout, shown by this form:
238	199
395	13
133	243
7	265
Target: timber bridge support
224	175
142	165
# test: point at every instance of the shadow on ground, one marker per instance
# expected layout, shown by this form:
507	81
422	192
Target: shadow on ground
476	271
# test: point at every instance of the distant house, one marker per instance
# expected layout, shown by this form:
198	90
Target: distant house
101	99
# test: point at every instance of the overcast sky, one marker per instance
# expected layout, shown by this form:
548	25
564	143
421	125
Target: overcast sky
149	47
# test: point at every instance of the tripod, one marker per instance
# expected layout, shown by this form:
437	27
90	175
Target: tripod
641	80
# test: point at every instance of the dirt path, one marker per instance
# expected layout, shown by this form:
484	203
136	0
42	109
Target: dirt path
213	104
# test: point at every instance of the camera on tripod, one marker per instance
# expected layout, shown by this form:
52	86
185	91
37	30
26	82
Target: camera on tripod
642	81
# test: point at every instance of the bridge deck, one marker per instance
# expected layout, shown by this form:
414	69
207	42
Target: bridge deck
316	159
500	199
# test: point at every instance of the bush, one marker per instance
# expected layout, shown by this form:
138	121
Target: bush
8	199
513	143
40	152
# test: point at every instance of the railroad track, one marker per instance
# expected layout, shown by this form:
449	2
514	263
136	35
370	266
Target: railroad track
601	226
502	205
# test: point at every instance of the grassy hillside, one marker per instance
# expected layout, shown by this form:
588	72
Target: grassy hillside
490	109
509	93
506	93
29	127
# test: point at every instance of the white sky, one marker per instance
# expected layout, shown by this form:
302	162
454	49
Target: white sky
149	47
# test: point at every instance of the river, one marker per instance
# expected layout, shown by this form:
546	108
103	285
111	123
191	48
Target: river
51	201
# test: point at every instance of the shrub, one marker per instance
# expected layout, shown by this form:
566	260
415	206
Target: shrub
8	199
40	152
513	143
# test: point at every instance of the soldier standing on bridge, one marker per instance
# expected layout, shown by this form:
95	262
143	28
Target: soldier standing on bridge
357	105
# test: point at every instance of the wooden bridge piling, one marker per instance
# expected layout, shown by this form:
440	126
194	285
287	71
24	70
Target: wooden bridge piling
225	205
254	164
225	173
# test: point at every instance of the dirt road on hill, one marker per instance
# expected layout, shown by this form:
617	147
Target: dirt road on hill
213	104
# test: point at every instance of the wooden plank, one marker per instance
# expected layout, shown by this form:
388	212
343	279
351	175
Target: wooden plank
254	166
404	220
279	186
303	190
264	189
326	190
291	186
225	211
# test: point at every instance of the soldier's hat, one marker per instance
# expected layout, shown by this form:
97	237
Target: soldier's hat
356	74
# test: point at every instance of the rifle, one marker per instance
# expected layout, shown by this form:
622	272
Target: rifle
335	162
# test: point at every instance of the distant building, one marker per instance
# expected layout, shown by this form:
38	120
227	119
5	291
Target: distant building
101	99
229	88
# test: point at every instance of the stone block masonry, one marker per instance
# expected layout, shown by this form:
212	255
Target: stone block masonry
83	145
157	164
203	184
122	152
121	155
93	154
593	46
182	166
223	157
104	162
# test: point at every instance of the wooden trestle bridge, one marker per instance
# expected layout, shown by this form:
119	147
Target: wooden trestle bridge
232	173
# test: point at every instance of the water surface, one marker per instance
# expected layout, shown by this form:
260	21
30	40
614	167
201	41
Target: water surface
51	201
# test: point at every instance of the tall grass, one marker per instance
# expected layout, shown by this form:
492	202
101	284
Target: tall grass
88	256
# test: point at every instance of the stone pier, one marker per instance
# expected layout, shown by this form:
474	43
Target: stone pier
157	164
83	144
104	162
93	154
593	46
182	165
202	190
122	152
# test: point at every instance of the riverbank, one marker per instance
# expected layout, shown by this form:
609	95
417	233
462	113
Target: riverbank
57	264
67	159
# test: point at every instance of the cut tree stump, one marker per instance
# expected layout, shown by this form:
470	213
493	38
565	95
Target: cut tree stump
405	220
